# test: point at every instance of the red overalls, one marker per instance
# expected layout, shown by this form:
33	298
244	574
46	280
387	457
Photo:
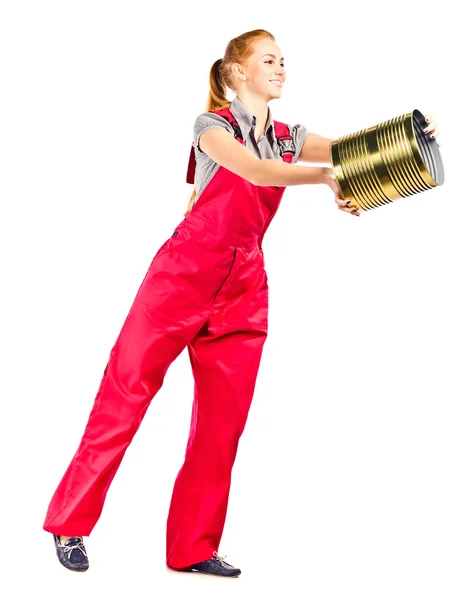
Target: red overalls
206	288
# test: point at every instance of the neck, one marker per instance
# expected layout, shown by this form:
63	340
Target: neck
257	107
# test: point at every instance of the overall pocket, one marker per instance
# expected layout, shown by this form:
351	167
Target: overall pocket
226	282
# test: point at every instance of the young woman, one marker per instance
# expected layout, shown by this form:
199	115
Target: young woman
206	289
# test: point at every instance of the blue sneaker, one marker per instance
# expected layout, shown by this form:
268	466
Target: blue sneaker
72	554
215	566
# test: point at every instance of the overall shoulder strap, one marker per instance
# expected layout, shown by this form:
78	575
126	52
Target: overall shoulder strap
226	114
190	173
285	141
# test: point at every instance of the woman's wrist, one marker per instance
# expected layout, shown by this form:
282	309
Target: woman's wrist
314	175
324	175
318	175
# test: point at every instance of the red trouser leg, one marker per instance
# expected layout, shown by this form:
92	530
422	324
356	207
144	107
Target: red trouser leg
166	314
225	357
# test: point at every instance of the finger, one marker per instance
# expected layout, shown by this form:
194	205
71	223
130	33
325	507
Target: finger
351	211
345	205
430	127
347	209
434	134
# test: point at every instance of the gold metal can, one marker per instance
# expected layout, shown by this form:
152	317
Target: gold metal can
383	163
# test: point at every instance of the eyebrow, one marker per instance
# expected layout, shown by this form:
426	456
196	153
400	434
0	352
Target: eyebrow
272	55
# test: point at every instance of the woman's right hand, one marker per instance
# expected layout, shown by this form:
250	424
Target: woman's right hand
343	204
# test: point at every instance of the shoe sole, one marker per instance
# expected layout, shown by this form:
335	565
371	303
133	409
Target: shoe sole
197	572
214	574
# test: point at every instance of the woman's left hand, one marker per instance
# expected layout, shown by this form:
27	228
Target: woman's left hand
343	203
431	128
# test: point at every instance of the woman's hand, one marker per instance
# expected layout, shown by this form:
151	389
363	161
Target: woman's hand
343	204
431	128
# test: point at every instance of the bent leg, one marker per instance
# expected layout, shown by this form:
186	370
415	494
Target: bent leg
166	314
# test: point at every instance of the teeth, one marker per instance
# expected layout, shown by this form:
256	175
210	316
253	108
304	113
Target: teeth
277	81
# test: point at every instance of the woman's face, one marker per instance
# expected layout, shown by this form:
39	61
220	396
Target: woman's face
264	71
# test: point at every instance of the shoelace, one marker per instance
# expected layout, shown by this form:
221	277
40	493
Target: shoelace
221	559
78	546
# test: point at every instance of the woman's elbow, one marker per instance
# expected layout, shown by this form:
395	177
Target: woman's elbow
255	173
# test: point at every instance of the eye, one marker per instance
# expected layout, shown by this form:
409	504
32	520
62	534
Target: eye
281	64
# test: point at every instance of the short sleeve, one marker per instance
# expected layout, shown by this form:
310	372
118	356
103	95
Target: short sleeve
206	121
298	133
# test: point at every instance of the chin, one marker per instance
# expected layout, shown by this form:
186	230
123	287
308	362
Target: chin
276	93
275	96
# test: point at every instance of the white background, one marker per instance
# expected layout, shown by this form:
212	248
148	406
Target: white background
348	478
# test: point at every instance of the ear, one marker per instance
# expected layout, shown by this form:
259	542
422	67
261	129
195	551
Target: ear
237	70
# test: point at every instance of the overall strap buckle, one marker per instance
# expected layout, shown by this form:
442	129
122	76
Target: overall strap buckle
286	144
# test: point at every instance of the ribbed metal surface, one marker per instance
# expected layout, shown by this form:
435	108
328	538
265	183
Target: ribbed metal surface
392	160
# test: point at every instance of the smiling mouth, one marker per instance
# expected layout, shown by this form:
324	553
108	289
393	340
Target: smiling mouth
277	82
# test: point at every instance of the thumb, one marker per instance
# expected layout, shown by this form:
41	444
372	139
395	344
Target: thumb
333	176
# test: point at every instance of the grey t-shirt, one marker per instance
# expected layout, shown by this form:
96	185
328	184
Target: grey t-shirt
265	147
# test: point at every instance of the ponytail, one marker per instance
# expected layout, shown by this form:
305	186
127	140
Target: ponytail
217	97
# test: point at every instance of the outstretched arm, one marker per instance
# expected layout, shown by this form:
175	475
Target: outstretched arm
221	146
